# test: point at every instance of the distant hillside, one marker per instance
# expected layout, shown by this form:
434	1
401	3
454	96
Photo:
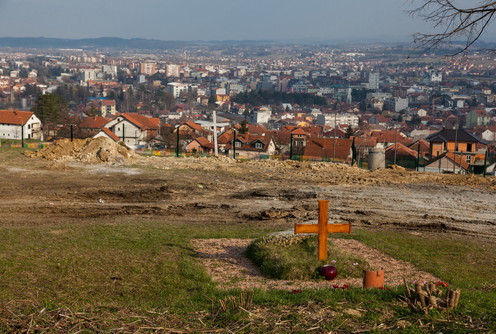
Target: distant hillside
107	42
88	43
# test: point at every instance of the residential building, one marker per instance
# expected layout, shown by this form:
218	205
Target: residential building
476	118
172	70
332	119
177	88
458	141
134	130
252	146
16	124
148	68
331	149
395	104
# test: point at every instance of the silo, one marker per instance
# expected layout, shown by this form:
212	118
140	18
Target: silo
377	158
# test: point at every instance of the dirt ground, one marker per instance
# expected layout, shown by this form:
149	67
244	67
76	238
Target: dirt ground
227	265
40	191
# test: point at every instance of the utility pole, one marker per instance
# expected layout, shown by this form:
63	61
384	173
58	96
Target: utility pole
456	143
395	144
234	144
123	133
418	155
291	146
22	135
177	141
335	135
485	164
216	148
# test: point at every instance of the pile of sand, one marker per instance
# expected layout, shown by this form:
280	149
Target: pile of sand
92	150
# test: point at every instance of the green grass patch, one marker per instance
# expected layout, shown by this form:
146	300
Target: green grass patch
295	257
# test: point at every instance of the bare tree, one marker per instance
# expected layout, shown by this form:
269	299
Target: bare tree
453	20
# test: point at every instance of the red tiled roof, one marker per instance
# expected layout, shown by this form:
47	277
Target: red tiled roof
424	146
400	150
391	136
256	129
108	103
248	142
324	148
225	138
143	122
112	135
366	141
95	122
204	142
193	125
281	137
299	131
15	117
457	159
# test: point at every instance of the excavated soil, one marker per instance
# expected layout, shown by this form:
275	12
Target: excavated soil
92	150
88	181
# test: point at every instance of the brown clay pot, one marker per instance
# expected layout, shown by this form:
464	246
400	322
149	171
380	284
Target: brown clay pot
373	279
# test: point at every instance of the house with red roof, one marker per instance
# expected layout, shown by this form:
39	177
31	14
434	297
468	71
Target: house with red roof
252	146
448	162
105	132
133	129
192	129
200	145
332	149
15	124
422	147
103	107
390	137
401	155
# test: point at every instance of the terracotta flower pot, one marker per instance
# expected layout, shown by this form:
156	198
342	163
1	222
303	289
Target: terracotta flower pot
373	279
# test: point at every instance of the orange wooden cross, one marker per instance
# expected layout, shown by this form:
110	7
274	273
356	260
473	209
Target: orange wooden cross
323	228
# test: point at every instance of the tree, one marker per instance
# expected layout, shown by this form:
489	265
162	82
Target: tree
244	127
454	21
51	109
349	131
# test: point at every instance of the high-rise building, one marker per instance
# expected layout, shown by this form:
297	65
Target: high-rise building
172	70
148	68
176	88
373	80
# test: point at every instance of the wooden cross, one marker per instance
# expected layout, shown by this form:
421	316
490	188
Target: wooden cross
323	228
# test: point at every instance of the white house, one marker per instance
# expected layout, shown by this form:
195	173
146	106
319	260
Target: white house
489	134
176	88
262	116
134	129
15	123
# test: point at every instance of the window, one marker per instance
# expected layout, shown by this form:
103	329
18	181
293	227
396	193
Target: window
258	145
467	159
237	144
469	147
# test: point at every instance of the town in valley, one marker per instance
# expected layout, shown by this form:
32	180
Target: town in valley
426	111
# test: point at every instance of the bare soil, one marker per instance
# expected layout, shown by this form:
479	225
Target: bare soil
64	185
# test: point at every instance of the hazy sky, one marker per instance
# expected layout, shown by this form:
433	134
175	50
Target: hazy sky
211	19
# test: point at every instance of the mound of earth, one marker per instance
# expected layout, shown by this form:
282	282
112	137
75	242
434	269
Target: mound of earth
93	150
